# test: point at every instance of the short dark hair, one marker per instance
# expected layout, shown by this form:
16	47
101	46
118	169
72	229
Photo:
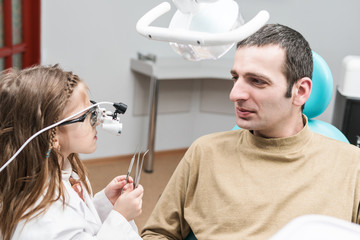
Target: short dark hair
298	55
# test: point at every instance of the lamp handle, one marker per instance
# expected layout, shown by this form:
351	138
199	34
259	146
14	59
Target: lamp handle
195	37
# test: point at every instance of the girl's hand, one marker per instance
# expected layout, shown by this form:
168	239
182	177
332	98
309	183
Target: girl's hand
113	189
129	204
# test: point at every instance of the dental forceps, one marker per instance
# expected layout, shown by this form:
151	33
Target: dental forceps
139	165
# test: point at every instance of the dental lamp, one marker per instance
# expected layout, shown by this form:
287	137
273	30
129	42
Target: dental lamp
201	29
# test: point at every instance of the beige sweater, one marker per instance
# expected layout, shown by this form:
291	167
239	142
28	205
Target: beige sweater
234	185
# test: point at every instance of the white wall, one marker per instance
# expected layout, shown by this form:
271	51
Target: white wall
96	40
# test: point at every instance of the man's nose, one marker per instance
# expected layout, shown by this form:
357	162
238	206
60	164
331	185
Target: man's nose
239	91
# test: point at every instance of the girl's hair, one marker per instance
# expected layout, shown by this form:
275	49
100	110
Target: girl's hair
32	99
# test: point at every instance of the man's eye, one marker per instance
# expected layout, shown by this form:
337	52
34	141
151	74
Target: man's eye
234	78
257	81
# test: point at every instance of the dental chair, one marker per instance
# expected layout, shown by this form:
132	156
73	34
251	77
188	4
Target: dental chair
318	101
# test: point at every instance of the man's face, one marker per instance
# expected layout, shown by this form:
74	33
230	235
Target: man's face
259	91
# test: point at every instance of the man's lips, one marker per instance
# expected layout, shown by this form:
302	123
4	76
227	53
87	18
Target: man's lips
243	112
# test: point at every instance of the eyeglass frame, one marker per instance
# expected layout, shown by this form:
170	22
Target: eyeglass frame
83	117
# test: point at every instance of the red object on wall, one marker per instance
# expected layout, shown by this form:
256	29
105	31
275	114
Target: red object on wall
31	24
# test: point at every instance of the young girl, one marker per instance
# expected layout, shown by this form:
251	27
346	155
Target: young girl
44	192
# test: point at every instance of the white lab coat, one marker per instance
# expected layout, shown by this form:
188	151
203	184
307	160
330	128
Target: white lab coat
94	219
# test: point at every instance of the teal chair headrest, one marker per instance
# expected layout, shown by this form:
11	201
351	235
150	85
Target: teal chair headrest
322	88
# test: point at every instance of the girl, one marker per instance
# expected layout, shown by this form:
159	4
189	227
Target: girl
44	192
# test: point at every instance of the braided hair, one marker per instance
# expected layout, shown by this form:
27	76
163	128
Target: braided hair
32	99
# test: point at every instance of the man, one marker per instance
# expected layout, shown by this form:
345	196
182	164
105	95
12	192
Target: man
249	183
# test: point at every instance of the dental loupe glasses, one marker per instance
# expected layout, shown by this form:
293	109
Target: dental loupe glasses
109	121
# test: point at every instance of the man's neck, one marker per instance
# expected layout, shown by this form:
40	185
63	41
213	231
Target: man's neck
282	132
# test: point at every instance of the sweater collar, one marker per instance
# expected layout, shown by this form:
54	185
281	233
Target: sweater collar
295	142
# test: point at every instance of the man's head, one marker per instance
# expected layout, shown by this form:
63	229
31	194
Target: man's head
272	81
298	56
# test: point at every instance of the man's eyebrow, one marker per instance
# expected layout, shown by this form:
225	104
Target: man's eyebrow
253	75
258	75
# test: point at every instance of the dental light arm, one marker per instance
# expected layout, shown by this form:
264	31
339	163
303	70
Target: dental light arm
196	37
109	121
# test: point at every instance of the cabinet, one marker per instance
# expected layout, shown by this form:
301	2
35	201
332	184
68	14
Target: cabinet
346	116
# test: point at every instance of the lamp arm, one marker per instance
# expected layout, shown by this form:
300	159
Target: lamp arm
195	37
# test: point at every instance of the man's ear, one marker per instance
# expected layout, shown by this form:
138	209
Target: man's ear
302	90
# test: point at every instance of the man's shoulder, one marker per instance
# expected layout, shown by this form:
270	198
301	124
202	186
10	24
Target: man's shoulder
330	144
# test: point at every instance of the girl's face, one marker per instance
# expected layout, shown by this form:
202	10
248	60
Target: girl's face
79	137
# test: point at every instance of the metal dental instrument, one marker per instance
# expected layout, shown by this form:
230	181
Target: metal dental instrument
130	167
138	168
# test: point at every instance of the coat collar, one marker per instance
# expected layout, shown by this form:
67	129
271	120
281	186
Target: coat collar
72	199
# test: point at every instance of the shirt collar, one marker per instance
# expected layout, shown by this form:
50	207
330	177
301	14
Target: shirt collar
67	170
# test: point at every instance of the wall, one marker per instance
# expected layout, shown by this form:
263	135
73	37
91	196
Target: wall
96	40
